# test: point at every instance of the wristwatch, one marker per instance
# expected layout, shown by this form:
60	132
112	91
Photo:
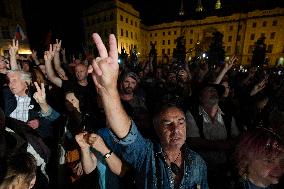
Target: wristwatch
107	155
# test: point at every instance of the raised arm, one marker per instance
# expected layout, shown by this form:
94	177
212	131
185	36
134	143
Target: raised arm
104	70
48	56
13	50
228	65
63	52
88	159
57	63
34	57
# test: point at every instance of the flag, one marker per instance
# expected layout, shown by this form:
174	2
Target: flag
19	34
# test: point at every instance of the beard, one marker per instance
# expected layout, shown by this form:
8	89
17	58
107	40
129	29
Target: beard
128	90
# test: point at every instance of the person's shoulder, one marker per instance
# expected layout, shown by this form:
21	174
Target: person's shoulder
196	158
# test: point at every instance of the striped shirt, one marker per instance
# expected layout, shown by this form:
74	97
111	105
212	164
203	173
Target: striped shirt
22	110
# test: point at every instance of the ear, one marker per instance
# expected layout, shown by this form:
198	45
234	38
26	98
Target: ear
32	183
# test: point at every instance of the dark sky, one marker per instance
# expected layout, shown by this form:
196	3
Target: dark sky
63	17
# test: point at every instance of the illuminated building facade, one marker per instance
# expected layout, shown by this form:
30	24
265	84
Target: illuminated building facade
10	16
240	30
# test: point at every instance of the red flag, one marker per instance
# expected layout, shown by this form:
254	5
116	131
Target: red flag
19	33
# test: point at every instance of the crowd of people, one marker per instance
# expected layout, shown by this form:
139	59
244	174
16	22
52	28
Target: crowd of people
96	123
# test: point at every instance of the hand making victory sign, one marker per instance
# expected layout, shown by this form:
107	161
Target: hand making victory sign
104	68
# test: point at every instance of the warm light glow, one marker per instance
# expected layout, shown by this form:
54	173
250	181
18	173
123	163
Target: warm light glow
24	51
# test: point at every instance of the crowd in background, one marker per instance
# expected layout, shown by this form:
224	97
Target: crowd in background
181	125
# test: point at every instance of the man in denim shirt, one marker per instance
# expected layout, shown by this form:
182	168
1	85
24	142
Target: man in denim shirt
167	164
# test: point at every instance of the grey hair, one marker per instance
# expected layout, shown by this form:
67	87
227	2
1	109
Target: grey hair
26	76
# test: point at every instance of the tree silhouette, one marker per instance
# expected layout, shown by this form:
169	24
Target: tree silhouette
258	57
216	52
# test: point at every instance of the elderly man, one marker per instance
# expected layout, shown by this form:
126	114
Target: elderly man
213	134
166	164
21	106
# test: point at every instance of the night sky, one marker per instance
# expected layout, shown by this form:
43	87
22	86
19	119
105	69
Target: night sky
63	17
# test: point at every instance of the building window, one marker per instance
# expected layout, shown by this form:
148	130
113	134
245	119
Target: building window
131	35
163	33
272	35
175	32
269	48
264	24
150	34
163	43
231	28
240	27
121	32
135	24
126	33
169	33
262	35
230	39
191	31
254	24
169	51
121	18
135	36
229	48
252	36
175	41
131	22
155	34
155	43
126	20
238	38
169	42
190	41
274	23
163	51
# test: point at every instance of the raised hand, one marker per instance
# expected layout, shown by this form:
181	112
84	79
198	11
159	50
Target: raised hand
57	46
231	62
81	140
63	52
34	55
258	87
105	68
40	95
48	55
13	49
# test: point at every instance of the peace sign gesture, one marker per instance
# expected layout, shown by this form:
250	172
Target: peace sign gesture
231	62
57	46
48	55
105	68
40	95
13	49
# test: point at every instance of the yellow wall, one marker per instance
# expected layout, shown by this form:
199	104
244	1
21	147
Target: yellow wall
237	30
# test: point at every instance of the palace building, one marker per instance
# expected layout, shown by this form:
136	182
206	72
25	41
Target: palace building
12	25
240	31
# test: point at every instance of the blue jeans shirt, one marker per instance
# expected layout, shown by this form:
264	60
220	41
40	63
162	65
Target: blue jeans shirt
150	166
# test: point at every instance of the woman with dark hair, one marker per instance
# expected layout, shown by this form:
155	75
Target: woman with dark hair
260	159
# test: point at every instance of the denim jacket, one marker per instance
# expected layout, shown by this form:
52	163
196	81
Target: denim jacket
150	166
